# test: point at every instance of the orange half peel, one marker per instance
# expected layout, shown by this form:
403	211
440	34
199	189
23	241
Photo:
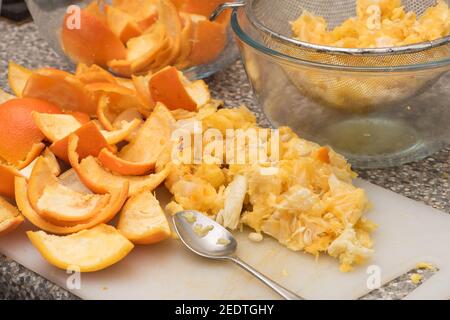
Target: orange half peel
142	220
88	250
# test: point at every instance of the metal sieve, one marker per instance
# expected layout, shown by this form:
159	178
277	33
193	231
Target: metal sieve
346	92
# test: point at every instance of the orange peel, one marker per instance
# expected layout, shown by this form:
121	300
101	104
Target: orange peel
122	24
123	167
60	88
125	82
155	132
143	50
71	180
10	217
41	176
122	134
143	11
186	35
208	41
201	7
91	143
93	74
118	198
88	250
7	176
128	115
168	16
142	220
99	180
18	77
134	159
113	101
20	138
170	87
141	84
58	203
93	42
55	126
120	67
5	96
51	160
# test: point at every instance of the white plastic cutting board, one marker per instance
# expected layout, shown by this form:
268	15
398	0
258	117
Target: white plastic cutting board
409	232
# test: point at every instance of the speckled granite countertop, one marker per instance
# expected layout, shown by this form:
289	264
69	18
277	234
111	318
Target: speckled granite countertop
426	181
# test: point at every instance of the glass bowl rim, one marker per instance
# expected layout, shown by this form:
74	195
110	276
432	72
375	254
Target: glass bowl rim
240	33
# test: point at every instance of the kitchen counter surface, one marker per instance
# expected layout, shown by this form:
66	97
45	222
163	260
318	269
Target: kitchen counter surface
426	181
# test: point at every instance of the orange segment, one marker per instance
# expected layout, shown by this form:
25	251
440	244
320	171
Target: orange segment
99	180
55	126
142	220
118	198
93	42
88	250
18	77
60	88
91	142
19	136
10	217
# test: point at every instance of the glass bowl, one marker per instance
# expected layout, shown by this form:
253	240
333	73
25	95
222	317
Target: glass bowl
328	103
48	16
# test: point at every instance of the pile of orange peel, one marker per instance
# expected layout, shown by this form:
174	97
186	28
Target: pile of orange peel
134	37
73	155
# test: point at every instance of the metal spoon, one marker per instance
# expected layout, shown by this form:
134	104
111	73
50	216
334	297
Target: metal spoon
209	239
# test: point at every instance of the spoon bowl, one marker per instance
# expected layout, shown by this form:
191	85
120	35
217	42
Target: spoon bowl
217	243
209	239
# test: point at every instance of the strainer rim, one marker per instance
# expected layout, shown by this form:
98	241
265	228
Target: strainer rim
412	48
242	35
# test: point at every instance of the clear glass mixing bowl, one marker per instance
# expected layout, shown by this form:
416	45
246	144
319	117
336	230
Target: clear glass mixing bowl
48	16
328	103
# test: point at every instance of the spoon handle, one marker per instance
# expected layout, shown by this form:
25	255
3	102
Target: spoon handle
286	294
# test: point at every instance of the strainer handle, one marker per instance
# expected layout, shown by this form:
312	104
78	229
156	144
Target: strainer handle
227	5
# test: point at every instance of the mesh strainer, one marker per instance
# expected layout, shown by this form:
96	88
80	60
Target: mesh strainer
271	19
